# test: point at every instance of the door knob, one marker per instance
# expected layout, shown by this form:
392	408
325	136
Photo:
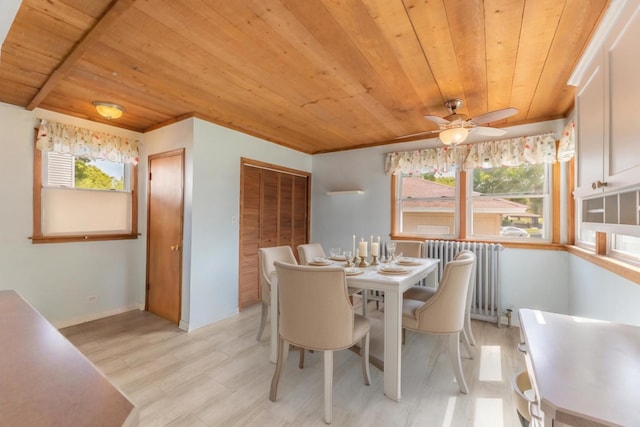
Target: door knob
175	248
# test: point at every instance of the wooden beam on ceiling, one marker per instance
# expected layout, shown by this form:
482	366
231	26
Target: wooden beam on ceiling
111	15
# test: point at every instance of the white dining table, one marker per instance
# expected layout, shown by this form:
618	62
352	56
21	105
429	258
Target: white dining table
393	286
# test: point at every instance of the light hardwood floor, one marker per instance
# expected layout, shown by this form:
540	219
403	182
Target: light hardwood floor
220	375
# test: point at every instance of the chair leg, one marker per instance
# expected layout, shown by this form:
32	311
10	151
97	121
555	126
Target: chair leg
263	320
454	355
467	329
404	335
364	354
301	360
328	385
276	375
467	345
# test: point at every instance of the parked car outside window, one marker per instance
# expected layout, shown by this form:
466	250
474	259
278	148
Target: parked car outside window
514	232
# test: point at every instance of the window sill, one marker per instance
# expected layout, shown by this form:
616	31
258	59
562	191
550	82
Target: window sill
621	268
82	238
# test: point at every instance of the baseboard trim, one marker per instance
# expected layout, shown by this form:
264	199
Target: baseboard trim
95	316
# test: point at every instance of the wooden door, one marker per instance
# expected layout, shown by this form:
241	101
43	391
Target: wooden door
164	235
274	211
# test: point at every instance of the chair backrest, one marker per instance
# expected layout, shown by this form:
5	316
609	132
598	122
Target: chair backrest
266	258
410	248
309	251
472	279
444	311
315	311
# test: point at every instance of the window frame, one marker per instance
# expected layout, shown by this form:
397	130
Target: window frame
463	213
547	212
38	236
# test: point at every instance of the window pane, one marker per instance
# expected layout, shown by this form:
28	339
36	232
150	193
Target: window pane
510	202
628	245
99	174
528	179
588	236
428	204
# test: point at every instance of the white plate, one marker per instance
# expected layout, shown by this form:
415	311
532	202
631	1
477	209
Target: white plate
353	271
320	261
408	261
393	269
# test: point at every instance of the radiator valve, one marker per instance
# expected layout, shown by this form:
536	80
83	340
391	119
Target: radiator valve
508	315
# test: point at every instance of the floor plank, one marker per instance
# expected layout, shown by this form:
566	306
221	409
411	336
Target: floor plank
220	375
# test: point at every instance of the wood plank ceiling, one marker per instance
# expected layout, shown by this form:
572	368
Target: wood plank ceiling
313	75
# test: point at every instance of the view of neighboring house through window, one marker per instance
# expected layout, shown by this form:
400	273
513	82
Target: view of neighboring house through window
505	203
428	204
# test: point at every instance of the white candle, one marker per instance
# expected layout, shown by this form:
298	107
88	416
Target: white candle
375	249
362	248
353	249
371	240
378	240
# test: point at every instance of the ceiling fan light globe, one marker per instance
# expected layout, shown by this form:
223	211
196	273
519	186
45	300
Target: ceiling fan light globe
453	136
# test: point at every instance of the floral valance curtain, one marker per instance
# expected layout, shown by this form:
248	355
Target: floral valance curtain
508	152
61	138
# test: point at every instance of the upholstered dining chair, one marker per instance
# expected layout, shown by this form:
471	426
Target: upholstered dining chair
444	311
315	314
423	293
266	258
309	251
410	248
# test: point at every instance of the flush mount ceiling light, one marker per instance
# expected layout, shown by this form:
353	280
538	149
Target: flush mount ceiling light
109	110
453	135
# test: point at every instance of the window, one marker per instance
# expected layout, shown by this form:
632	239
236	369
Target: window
427	204
511	202
81	198
495	190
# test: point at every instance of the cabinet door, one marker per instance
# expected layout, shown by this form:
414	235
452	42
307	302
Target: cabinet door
622	137
590	131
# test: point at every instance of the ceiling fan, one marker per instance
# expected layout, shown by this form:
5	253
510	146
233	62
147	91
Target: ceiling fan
455	127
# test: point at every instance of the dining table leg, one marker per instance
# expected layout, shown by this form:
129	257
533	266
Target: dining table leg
392	344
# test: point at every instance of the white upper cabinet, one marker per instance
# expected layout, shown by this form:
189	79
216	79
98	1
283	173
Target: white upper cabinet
608	109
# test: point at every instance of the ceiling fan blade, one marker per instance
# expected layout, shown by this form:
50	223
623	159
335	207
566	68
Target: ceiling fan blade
438	120
487	131
426	132
494	116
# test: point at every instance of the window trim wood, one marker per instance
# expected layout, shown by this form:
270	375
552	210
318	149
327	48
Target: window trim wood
38	237
462	217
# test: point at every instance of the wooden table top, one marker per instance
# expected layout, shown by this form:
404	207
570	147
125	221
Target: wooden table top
46	381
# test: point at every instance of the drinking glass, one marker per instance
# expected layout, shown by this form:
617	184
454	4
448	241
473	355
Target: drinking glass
347	257
391	248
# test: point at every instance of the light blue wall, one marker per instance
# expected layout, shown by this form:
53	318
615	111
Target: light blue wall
547	280
212	209
215	213
57	279
598	293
